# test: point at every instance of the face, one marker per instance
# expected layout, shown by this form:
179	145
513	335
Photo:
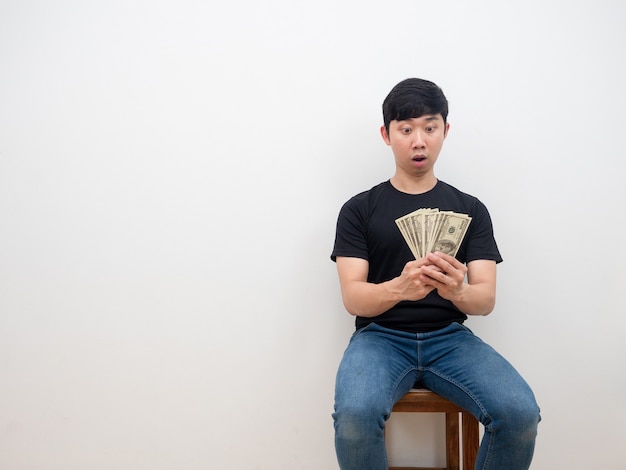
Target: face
416	143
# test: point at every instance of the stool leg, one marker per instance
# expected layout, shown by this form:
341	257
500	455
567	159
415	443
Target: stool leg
452	441
470	440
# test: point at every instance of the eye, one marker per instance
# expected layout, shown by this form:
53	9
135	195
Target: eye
405	130
430	129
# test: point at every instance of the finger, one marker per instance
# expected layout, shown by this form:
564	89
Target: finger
434	273
439	261
452	261
447	257
449	264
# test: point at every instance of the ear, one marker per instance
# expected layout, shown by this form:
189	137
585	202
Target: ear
385	134
445	132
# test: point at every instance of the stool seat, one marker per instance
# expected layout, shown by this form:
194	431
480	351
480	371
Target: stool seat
461	443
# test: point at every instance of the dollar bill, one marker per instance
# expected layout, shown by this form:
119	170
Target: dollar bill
426	230
450	233
409	236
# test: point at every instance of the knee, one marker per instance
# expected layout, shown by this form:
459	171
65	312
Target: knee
520	415
358	420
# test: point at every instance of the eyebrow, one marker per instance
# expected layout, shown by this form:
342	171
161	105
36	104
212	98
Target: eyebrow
426	117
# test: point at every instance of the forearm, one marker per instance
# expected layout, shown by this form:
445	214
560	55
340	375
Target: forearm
476	296
475	299
365	299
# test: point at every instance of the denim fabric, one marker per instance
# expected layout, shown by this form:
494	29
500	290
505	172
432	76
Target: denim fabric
380	365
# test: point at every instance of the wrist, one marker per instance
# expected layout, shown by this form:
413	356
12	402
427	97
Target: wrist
392	291
461	295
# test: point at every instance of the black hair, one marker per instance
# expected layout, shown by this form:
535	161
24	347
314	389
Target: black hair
412	98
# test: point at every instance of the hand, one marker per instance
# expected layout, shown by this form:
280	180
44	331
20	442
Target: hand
444	273
411	282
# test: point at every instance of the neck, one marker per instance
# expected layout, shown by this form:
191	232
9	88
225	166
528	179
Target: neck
413	185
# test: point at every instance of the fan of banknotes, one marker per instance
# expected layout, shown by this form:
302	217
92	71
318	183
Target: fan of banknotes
428	230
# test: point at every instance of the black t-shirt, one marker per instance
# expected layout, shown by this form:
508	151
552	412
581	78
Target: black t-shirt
366	229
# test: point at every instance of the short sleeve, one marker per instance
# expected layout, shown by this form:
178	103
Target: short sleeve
351	231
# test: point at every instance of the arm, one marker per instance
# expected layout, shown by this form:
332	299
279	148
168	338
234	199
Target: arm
367	299
477	296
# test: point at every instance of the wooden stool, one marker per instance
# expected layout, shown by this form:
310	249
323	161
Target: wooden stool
425	401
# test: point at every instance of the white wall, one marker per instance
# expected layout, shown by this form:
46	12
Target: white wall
170	175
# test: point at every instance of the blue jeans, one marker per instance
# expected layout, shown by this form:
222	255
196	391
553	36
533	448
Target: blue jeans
380	365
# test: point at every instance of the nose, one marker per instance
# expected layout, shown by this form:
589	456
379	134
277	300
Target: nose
418	140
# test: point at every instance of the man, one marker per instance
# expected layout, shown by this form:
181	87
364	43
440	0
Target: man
410	312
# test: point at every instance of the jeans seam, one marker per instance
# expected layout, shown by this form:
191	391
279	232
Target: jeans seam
477	403
401	377
488	453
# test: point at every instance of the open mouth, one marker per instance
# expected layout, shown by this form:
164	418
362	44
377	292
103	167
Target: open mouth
419	158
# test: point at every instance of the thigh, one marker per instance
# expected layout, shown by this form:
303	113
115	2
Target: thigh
468	371
377	369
